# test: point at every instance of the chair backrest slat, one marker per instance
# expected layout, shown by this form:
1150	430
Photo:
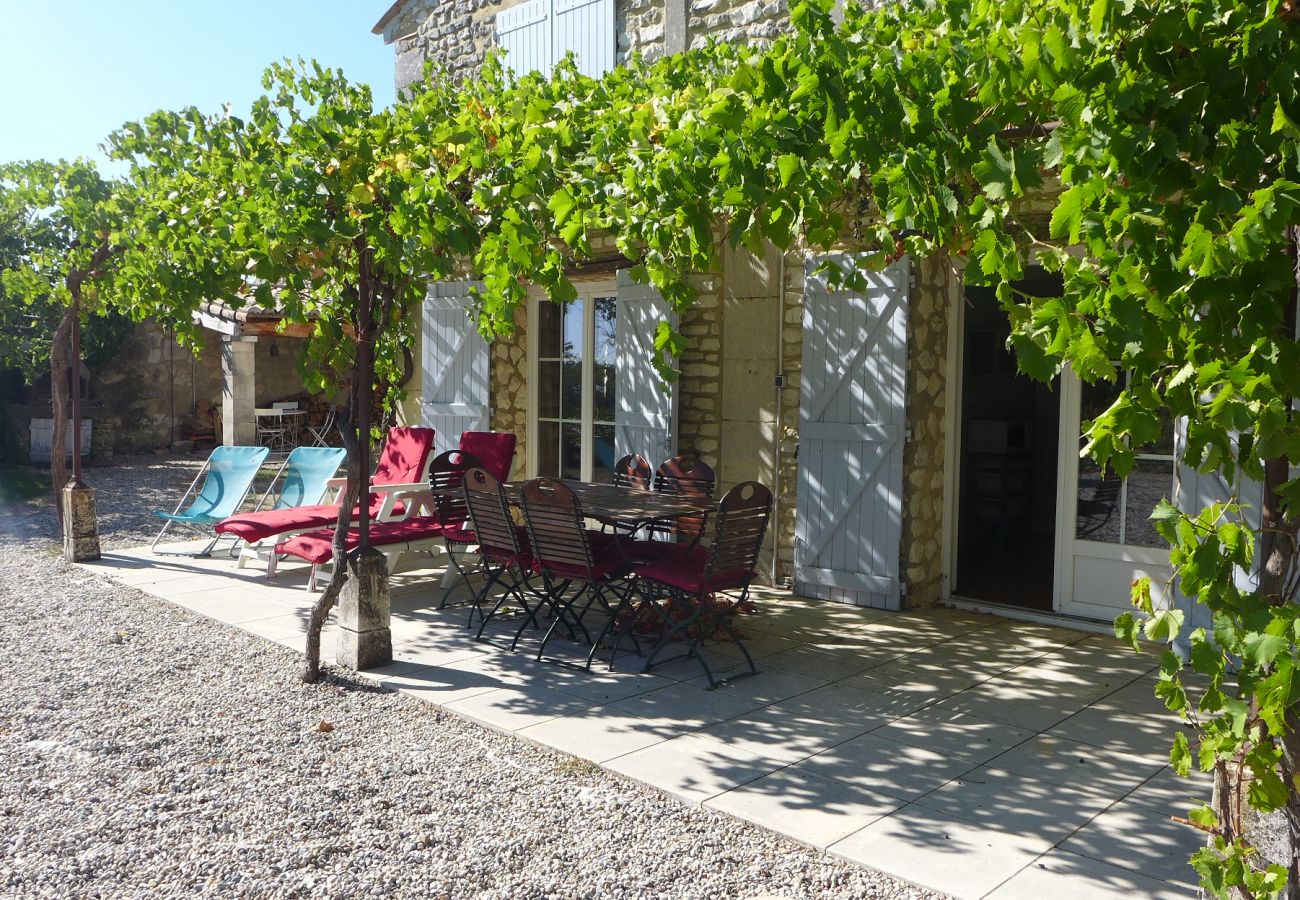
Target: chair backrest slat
555	527
446	475
742	519
489	511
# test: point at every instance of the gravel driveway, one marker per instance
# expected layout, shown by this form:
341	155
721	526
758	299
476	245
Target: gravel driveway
148	751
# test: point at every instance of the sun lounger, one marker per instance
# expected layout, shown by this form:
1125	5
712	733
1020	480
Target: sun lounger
227	477
403	469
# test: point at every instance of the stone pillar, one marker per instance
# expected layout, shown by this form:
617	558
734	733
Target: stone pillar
238	391
80	525
365	641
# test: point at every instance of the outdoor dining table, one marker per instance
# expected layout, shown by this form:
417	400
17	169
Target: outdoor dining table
627	506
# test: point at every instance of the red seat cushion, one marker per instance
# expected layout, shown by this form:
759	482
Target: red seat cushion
402	461
495	451
684	570
318	546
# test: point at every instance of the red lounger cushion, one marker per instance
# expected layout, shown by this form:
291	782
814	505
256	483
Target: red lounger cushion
257	526
318	546
495	451
684	570
400	462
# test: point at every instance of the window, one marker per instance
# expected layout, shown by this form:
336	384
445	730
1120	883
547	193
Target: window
1117	510
574	376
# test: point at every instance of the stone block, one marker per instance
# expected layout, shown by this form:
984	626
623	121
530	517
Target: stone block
365	640
80	524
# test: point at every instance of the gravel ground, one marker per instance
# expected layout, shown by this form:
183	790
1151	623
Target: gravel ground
151	752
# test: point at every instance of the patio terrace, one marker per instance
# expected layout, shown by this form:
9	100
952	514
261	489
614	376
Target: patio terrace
969	754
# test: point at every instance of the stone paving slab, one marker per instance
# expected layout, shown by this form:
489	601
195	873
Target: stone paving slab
962	752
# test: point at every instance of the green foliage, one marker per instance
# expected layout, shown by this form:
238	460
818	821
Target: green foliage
53	221
1156	139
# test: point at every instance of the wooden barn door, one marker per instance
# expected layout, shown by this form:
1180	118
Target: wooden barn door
851	426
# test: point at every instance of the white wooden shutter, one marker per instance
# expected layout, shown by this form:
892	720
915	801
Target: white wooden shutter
849	513
585	27
645	408
1195	491
524	32
455	366
537	34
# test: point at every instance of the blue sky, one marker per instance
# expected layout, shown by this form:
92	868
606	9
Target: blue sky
71	71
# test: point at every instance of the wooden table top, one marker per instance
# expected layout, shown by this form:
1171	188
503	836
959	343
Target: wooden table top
609	501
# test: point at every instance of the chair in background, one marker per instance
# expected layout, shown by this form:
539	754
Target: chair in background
697	591
227	477
1094	512
505	554
569	556
685	475
633	471
446	476
322	434
302	480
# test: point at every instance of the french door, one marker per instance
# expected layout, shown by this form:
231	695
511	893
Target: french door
573	373
1104	535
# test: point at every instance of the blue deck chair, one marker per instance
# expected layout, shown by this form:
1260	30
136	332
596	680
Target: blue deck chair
227	476
302	480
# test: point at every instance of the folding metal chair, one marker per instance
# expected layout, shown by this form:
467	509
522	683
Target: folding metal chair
322	434
570	556
505	556
688	588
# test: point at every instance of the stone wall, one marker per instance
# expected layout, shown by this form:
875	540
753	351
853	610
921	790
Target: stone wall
923	455
509	386
755	22
457	35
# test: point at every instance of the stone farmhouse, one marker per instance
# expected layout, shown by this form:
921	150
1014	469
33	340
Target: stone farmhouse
910	462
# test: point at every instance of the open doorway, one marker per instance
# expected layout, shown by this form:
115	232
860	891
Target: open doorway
1007	477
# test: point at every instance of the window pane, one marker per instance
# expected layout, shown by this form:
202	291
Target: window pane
604	370
571	399
1097	512
548	330
573	343
548	390
1149	481
1095	399
1163	445
571	452
548	449
602	453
